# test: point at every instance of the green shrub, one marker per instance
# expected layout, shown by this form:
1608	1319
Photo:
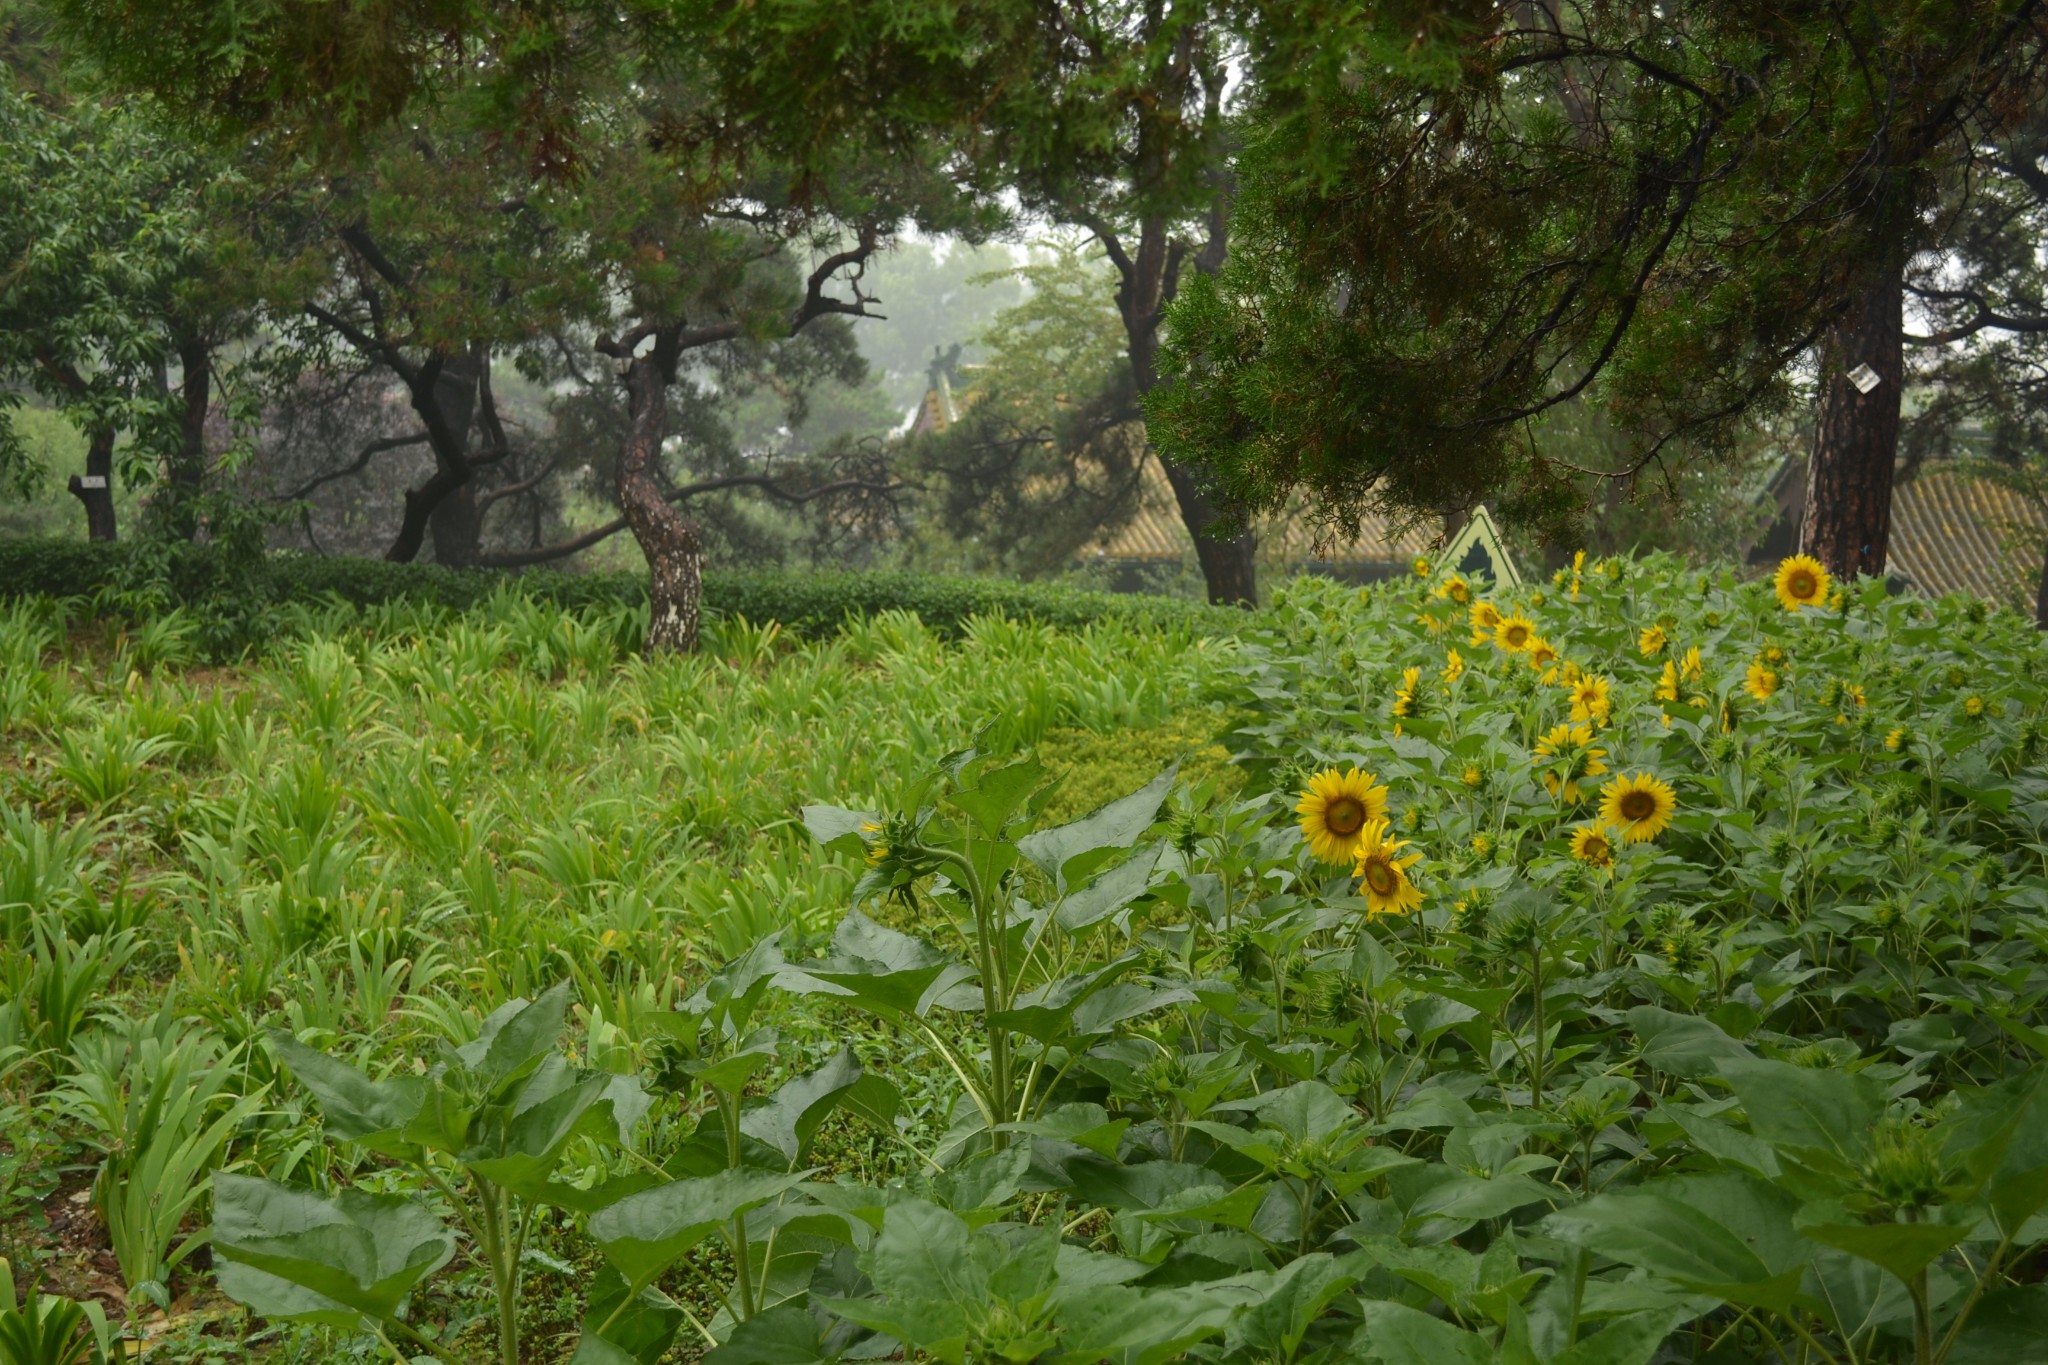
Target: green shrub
806	602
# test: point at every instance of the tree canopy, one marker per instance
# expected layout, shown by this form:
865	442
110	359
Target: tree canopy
1459	218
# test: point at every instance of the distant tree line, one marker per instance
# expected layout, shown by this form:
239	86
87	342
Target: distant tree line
1398	258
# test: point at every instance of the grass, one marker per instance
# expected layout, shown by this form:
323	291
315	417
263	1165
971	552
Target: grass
375	836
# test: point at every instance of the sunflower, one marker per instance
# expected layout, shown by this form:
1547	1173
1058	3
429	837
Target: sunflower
1484	619
1456	589
1572	748
1473	776
1773	655
1896	739
1690	668
1973	706
1590	699
1335	809
1514	633
1652	641
1422	567
1667	686
1454	666
1542	653
1759	681
1590	844
877	848
1638	807
1383	873
1404	697
1482	845
1801	582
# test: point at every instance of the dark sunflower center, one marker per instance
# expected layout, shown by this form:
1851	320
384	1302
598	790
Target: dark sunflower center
1802	584
1638	805
1346	815
1596	850
1381	877
1517	635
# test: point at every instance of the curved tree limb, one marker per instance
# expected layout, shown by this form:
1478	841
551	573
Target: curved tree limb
515	559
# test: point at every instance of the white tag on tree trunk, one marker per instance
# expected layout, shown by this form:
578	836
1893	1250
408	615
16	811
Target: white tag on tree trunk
1864	378
92	481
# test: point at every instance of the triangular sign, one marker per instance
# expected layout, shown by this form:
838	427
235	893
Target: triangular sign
1478	549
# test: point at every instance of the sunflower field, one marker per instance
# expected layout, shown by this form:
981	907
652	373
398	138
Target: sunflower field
1643	967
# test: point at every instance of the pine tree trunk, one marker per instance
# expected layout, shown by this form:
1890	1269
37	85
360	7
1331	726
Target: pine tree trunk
186	475
1856	435
2041	594
446	502
1229	570
96	489
1229	567
669	540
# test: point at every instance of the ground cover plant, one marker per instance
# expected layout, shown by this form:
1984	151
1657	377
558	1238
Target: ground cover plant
1644	966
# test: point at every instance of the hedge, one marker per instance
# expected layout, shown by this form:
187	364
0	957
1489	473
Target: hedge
809	602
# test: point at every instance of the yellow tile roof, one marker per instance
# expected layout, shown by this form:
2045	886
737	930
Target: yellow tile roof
1954	532
1156	533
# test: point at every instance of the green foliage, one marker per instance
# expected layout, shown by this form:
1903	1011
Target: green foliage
1048	448
1138	1080
48	1329
160	1111
812	604
1449	227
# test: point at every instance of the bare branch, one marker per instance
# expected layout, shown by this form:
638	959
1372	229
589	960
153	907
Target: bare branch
357	465
516	559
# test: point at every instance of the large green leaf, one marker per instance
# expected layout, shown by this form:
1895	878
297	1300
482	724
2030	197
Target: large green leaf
1299	1292
998	794
516	1037
645	1233
2010	1327
1904	1249
1675	1241
787	1335
1109	891
877	967
1395	1334
1810	1107
836	828
1047	1013
353	1108
1139	1326
346	1257
520	1149
1682	1044
621	1327
788	1119
1060	852
2000	1136
1634	1339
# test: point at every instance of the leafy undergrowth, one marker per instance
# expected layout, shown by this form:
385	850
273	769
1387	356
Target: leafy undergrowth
384	830
1651	972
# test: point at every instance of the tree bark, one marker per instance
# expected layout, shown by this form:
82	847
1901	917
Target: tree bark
1848	519
669	540
444	396
1229	567
96	489
185	474
2041	596
188	468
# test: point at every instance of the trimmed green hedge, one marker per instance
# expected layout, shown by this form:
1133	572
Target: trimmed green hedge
806	601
